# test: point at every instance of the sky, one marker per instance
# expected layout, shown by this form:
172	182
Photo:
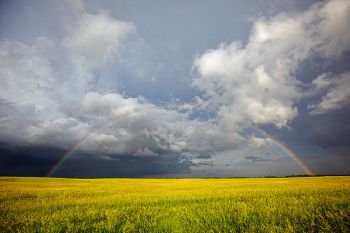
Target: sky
174	88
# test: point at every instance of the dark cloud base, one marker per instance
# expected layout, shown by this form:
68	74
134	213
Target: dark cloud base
38	161
26	160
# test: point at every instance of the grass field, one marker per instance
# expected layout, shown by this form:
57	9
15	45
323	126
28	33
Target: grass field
309	204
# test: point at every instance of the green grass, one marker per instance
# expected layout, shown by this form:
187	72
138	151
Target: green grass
302	204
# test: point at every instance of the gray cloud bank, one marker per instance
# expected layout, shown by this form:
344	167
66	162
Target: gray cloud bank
49	96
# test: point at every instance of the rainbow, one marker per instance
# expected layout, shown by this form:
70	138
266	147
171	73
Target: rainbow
66	155
284	147
72	149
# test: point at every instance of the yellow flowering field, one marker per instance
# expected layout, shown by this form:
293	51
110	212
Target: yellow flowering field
299	204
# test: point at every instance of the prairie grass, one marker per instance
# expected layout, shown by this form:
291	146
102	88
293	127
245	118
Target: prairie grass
301	204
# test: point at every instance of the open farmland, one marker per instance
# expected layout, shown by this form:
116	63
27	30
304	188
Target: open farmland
302	204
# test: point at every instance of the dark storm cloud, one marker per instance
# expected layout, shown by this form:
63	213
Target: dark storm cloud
18	160
327	131
39	161
125	166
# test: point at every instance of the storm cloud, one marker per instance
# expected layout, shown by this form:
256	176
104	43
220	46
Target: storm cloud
57	91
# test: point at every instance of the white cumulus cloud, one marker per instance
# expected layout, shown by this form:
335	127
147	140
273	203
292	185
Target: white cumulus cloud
256	82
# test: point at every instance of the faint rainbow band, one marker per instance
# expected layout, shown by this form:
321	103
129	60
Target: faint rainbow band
287	150
66	155
277	142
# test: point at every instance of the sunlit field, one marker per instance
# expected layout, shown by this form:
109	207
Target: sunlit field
302	204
